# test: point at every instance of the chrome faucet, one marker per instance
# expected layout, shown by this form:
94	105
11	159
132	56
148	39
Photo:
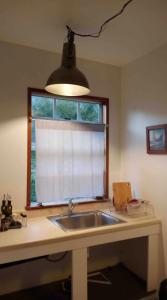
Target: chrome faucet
70	206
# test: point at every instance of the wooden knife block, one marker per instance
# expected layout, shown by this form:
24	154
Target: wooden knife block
122	194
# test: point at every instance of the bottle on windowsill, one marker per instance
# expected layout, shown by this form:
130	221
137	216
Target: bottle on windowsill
9	208
3	206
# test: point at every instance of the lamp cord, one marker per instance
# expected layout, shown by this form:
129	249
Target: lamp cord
70	38
97	34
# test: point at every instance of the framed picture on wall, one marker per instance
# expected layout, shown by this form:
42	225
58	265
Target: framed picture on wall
156	139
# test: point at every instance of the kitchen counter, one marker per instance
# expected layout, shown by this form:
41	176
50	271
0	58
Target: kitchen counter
41	230
42	237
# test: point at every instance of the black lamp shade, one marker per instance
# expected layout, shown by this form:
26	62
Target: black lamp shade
68	80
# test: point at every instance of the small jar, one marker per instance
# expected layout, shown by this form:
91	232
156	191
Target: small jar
149	209
23	219
4	225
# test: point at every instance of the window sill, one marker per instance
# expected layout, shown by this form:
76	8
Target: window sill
80	202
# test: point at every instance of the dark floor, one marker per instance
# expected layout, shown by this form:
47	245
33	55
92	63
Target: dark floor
124	286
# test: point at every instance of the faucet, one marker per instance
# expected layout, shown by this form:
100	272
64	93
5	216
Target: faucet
70	206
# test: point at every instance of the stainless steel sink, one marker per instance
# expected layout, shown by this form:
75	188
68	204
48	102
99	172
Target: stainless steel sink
84	220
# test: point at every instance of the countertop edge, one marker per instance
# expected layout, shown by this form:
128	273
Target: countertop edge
79	234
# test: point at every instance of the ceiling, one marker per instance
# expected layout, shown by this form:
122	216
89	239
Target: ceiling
41	24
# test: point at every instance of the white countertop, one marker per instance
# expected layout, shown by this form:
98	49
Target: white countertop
40	230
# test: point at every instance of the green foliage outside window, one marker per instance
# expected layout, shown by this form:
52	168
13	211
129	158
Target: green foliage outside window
66	109
42	107
33	174
89	112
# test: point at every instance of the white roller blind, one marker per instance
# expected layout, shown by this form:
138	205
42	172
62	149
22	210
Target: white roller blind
69	160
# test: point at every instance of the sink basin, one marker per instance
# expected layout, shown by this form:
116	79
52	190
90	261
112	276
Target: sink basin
84	220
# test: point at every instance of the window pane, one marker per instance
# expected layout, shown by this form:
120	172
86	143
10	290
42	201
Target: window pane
90	112
33	175
65	109
42	107
33	139
33	163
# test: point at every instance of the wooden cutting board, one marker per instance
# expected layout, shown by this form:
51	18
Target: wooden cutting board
122	194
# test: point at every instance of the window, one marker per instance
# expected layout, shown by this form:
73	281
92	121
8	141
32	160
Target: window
67	149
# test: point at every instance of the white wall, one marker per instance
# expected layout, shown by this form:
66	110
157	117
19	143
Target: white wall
144	103
23	67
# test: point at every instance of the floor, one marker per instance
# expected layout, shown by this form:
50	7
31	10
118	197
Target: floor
116	283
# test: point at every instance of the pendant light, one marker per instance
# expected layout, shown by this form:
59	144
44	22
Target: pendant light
68	80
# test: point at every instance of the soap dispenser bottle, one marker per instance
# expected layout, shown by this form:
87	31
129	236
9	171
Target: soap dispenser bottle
9	206
3	206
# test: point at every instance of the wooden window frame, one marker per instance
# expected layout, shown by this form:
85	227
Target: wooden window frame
101	100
